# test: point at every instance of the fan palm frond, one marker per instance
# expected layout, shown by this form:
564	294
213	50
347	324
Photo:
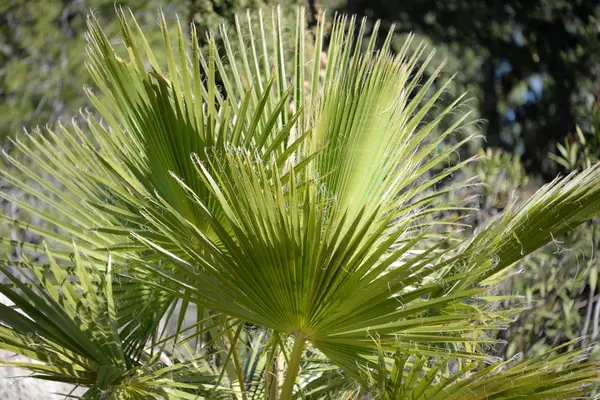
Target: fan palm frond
68	321
552	375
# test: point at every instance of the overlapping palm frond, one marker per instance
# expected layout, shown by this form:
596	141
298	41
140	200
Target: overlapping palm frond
548	376
151	120
94	185
304	198
67	319
334	253
300	271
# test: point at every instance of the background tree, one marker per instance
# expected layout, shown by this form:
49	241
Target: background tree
532	65
42	51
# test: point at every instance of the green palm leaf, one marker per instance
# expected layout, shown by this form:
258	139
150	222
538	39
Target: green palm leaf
69	322
326	252
547	376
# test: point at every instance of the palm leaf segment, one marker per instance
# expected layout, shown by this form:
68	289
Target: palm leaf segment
547	376
306	204
68	321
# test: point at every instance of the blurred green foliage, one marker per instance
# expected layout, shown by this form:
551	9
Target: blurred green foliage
560	281
42	50
531	66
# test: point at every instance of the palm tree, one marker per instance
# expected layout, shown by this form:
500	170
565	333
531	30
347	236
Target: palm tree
291	227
